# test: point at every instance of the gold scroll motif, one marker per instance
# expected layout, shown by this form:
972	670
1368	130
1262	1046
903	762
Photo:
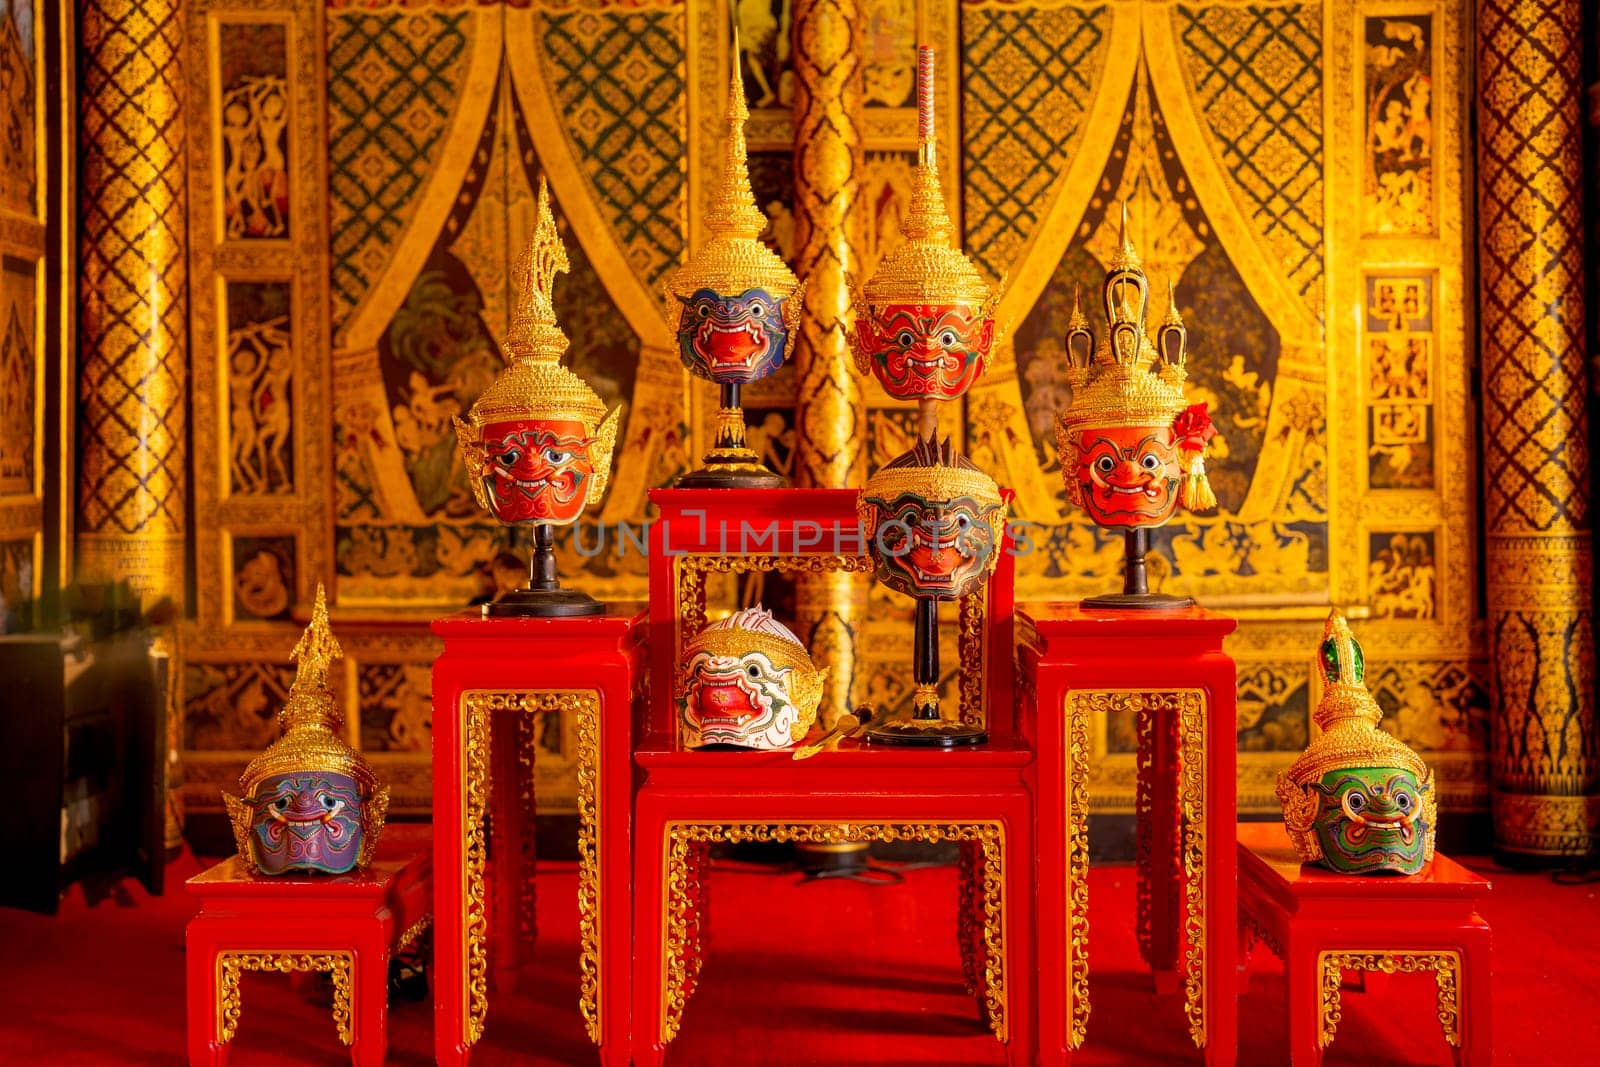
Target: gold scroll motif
231	964
412	934
1535	429
133	305
584	706
1445	965
681	837
1188	707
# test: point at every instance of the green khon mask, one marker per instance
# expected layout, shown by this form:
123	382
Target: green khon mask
1357	800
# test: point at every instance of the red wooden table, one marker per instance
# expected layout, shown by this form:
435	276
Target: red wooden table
347	925
589	667
1322	923
688	801
1168	669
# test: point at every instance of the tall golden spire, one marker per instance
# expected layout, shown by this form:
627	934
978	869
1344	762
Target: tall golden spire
317	648
735	259
1127	257
927	268
534	334
733	212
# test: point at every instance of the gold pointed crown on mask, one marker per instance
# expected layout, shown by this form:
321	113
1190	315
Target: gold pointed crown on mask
933	469
1347	718
928	268
1126	380
535	385
735	258
312	738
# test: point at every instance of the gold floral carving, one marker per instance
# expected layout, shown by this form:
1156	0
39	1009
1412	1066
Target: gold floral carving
584	706
1188	706
1445	965
412	934
678	948
231	964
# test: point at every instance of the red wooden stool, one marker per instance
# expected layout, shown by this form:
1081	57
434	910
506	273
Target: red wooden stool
1168	669
1322	923
348	925
689	801
494	675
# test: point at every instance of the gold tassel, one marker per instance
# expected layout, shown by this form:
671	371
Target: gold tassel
1195	494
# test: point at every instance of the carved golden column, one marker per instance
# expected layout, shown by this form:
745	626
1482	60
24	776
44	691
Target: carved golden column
132	297
830	422
1535	430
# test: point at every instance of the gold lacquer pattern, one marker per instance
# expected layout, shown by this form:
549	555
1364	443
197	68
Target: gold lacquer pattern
1158	708
133	302
1536	484
677	939
830	450
1445	965
231	964
584	706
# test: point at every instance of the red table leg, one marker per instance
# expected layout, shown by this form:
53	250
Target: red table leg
450	1039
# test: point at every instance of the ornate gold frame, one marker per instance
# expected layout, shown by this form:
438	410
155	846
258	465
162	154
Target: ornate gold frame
680	921
1445	965
1190	706
230	964
584	706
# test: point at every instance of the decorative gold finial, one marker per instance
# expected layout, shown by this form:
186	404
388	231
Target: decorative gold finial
928	219
927	268
534	334
1127	257
733	213
317	648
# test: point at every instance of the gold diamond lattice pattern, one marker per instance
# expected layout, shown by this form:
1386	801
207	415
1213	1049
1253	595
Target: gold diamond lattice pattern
619	83
1028	80
1257	77
394	81
133	309
1530	195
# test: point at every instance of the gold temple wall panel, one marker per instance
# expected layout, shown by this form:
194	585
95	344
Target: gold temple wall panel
22	309
1293	167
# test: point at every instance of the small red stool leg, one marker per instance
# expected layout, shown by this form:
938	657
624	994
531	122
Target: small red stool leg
649	923
1302	982
1022	1034
1472	996
369	997
204	1048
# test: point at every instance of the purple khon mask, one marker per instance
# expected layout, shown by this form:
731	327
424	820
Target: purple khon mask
311	802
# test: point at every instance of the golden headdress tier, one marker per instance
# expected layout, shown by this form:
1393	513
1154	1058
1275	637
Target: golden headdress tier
735	259
1125	380
312	722
927	268
534	334
1348	716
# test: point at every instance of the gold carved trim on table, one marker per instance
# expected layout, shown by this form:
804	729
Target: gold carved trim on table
690	570
584	704
1189	705
677	936
413	934
1445	965
231	964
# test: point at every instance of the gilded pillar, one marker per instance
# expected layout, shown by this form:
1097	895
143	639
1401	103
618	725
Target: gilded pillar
132	297
1535	431
830	422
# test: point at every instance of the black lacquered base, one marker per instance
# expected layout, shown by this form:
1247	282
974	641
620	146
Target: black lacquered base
732	469
1139	602
925	733
543	604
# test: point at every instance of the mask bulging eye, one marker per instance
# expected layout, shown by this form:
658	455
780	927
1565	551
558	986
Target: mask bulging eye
758	311
1105	464
703	310
281	804
905	338
948	338
1151	462
509	458
753	671
328	803
1355	801
1403	800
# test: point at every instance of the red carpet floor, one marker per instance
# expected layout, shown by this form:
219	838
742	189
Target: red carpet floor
829	972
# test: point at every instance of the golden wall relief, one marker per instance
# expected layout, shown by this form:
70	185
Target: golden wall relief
1397	162
23	351
1398	380
260	362
253	75
19	112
